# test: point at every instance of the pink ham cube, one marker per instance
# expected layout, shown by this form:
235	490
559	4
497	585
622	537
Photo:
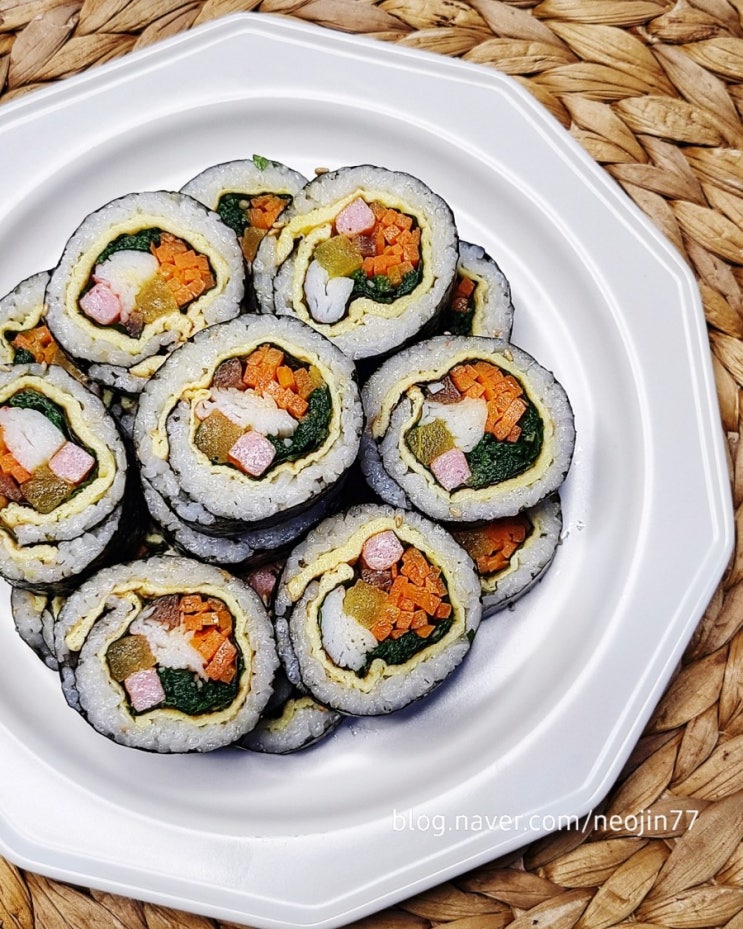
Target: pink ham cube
382	550
71	463
451	469
252	453
355	218
144	689
101	304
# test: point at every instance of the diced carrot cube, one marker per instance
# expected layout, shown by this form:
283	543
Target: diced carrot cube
443	611
404	620
381	630
425	631
367	266
509	419
285	376
222	665
419	619
207	643
274	357
461	378
303	382
391	232
465	286
430	602
296	405
395	275
191	603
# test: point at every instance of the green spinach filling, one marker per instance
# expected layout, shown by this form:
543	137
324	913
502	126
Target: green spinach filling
187	692
398	651
311	431
132	241
380	289
493	462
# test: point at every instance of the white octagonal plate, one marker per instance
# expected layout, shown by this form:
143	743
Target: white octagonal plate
536	725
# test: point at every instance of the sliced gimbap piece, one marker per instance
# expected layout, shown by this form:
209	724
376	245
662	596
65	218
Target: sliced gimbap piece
167	654
249	194
365	255
63	477
292	721
252	421
512	553
466	429
481	301
139	277
379	607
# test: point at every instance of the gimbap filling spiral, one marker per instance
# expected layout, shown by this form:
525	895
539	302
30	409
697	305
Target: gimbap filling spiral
139	276
366	256
167	654
380	607
467	428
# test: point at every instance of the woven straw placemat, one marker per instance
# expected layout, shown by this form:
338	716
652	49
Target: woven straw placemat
652	89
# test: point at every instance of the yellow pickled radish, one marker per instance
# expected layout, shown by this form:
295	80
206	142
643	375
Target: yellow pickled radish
128	655
364	602
216	435
339	256
429	441
155	299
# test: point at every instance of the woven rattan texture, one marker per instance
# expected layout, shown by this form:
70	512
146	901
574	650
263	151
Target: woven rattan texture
653	91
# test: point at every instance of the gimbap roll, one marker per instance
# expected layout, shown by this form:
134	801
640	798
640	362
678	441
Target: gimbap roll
249	194
481	301
365	255
33	617
236	551
139	277
251	422
63	477
380	606
291	721
24	335
465	429
512	553
166	654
